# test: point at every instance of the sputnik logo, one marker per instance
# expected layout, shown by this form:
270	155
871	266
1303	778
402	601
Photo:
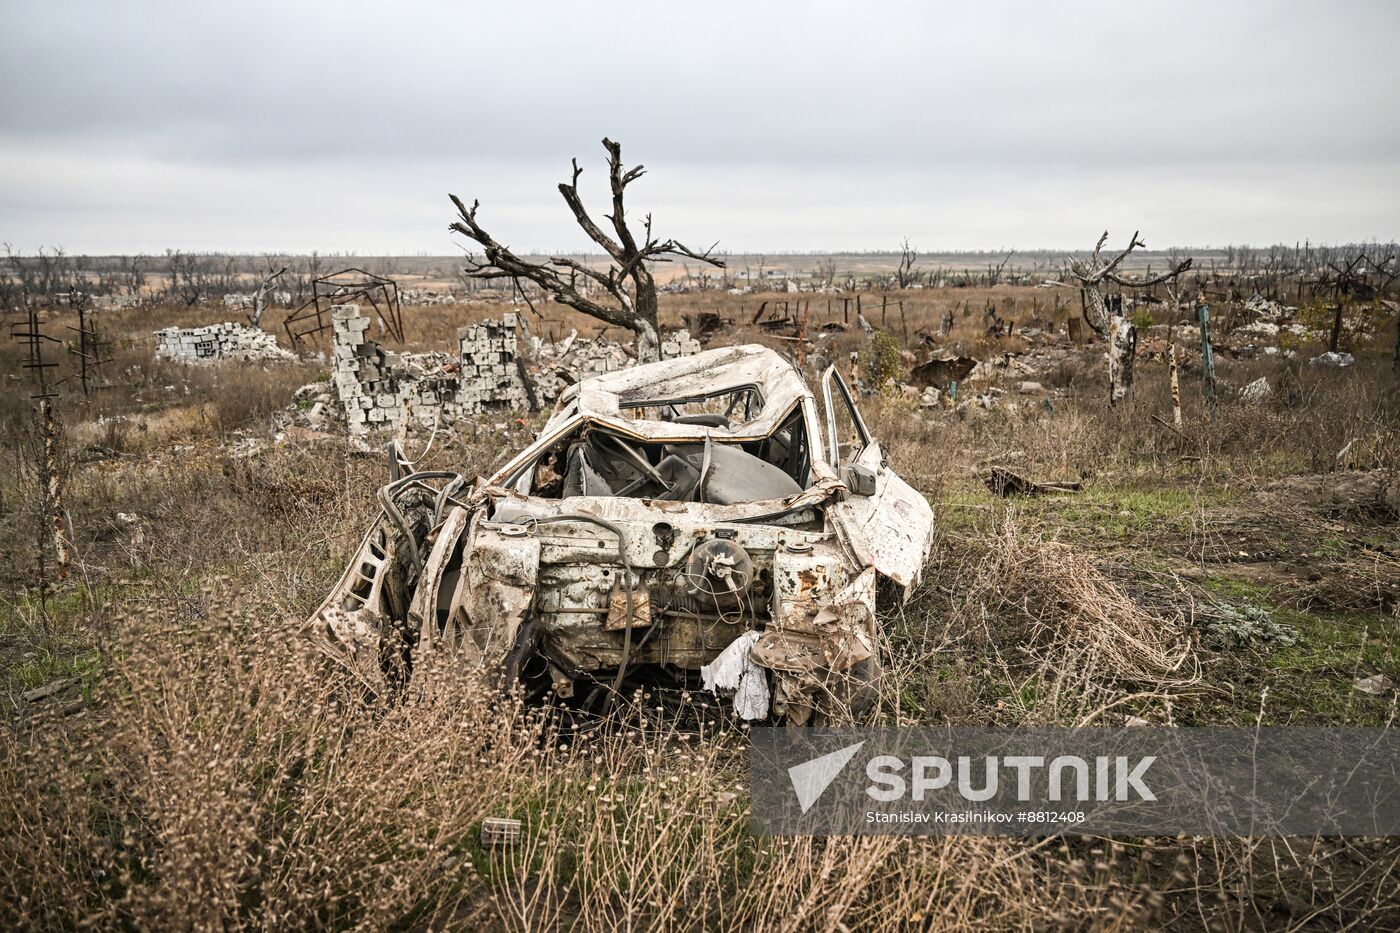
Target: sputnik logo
811	778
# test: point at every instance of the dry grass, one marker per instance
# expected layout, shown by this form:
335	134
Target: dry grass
223	777
1066	645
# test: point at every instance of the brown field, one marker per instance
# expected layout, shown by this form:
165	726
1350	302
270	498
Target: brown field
197	767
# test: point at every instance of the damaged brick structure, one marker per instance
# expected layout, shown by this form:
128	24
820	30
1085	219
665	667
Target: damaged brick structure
498	366
218	342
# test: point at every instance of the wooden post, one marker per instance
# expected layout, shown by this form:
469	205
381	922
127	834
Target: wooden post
1335	339
903	323
1207	358
52	499
800	346
884	308
1176	383
1122	346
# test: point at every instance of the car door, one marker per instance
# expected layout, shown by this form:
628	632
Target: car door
884	521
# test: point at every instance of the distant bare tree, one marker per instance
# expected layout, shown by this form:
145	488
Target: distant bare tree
255	312
1105	317
904	276
1363	276
994	273
186	279
133	275
627	286
826	271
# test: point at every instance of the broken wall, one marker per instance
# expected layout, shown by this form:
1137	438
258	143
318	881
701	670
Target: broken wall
498	365
217	342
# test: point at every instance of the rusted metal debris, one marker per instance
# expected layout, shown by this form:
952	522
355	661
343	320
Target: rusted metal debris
941	370
697	521
346	287
706	324
1002	482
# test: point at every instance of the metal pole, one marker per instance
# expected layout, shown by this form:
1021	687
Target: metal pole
1207	358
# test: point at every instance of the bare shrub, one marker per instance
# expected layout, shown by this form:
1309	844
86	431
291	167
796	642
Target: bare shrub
1067	642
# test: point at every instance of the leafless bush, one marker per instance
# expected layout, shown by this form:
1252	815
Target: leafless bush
1066	642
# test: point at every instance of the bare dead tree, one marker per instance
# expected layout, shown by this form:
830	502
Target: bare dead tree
994	274
625	294
1351	280
1107	319
904	276
133	275
260	294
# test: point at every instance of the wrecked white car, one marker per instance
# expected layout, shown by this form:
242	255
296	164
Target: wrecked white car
700	522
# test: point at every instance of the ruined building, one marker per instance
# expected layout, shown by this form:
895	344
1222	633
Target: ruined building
498	365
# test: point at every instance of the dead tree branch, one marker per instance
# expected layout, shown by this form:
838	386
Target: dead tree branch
1105	316
626	290
255	313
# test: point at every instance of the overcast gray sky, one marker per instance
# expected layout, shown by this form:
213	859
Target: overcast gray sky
137	126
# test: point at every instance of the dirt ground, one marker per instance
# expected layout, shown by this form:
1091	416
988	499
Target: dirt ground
173	756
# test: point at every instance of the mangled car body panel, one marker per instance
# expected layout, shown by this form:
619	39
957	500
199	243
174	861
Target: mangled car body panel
664	514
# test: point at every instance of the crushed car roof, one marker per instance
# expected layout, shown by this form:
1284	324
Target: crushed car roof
704	374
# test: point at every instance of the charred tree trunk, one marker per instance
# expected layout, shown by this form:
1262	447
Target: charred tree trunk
1104	313
1122	350
645	325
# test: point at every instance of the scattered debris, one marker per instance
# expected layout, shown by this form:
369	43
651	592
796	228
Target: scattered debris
1333	360
1267	310
49	689
734	674
1257	391
217	343
499	831
1002	482
942	369
706	324
1375	685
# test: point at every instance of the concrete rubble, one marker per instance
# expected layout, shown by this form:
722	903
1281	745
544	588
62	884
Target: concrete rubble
1257	391
497	366
218	342
1333	360
237	301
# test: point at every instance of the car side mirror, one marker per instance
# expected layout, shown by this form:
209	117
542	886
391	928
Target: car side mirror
860	480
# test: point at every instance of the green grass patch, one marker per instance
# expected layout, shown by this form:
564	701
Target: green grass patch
47	665
1122	514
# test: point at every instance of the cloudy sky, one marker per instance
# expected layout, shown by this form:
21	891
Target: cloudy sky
138	126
